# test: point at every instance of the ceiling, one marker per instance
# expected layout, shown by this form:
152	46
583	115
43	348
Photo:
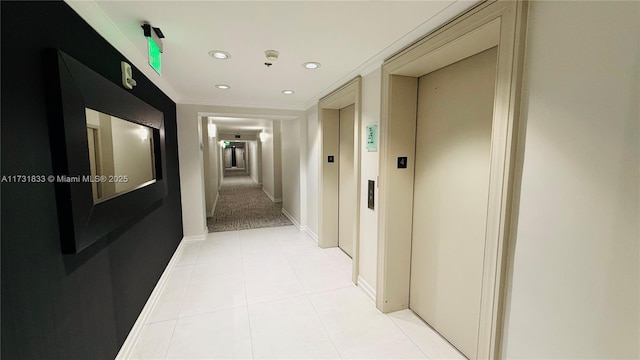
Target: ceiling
348	38
238	125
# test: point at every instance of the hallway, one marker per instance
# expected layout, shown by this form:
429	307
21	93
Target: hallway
273	294
243	205
540	245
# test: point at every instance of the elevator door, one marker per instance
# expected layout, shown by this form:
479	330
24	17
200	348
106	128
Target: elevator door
240	157
453	137
227	158
347	182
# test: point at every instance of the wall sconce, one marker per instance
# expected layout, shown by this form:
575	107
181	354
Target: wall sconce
212	130
263	137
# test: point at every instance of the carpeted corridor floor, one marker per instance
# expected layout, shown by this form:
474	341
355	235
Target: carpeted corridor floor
243	205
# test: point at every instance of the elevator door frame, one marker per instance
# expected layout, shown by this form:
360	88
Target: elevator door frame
328	122
488	24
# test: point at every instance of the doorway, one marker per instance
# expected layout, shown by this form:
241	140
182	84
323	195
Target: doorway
346	182
338	210
235	156
441	209
451	186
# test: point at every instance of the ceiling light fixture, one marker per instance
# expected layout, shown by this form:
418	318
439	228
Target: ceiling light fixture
311	65
223	86
288	92
219	54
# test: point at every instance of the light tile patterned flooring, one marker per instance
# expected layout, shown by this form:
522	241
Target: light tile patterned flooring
274	294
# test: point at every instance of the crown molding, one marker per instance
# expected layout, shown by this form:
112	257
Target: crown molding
239	104
420	31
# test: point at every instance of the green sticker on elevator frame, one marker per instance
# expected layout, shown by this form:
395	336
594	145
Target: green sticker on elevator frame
372	137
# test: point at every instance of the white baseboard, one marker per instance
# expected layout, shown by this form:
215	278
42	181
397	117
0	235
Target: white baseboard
136	330
368	289
213	208
293	220
274	199
311	234
193	238
268	194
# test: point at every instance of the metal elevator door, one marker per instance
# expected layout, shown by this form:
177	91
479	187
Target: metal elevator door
347	182
453	139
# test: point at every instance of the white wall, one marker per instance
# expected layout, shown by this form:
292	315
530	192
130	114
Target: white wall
267	161
214	183
368	256
290	139
272	162
277	160
312	171
254	161
232	136
574	291
302	136
194	221
206	161
210	161
132	155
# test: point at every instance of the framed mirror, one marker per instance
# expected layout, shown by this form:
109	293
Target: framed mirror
108	153
121	155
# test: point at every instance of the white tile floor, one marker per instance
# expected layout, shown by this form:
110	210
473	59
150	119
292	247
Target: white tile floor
274	294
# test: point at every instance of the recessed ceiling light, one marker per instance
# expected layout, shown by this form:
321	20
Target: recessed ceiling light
288	92
311	65
218	54
223	86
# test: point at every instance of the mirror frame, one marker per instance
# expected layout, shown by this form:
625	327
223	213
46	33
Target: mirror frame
73	87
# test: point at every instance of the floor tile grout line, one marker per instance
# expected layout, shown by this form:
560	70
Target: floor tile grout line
179	310
246	297
328	290
408	337
337	263
166	352
195	261
183	298
437	333
211	312
324	327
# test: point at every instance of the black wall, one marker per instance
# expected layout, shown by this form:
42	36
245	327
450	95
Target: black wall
57	306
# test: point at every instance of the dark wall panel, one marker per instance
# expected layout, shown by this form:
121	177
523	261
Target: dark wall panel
57	306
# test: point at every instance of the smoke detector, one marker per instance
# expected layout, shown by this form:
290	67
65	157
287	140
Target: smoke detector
272	56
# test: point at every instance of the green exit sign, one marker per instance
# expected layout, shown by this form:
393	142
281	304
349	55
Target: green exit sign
155	56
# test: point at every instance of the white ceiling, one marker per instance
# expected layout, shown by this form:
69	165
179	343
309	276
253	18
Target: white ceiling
348	38
238	125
